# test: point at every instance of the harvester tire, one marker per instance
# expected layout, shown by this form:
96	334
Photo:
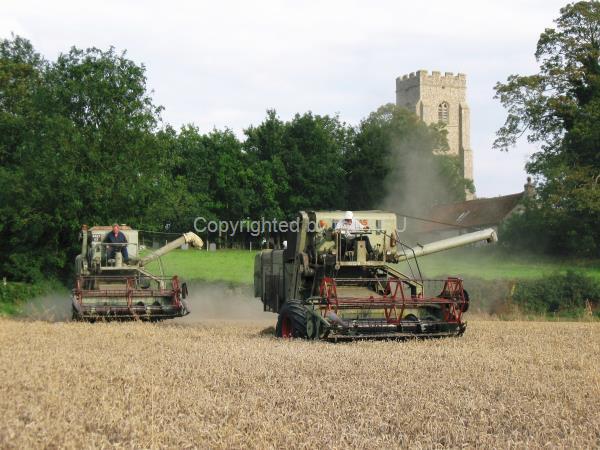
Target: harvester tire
75	317
415	319
291	322
312	328
465	306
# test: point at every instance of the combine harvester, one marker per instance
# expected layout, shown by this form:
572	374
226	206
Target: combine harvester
321	292
114	289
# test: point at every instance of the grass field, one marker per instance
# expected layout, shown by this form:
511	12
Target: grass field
236	265
230	385
490	264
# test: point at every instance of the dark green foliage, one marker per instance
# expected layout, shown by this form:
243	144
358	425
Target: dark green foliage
559	108
77	146
18	292
305	159
545	231
562	294
12	295
557	294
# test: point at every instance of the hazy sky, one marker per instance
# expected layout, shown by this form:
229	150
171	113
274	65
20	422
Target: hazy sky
223	64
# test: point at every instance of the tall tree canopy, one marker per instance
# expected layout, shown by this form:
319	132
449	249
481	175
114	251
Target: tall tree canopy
559	108
305	157
77	145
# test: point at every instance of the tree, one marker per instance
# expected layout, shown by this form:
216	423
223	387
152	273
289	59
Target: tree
81	148
559	108
314	148
267	173
401	163
21	76
304	160
227	186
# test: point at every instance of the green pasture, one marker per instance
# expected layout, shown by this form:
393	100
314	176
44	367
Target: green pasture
495	264
236	266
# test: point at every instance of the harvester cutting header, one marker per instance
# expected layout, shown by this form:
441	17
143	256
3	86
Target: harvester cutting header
112	280
337	279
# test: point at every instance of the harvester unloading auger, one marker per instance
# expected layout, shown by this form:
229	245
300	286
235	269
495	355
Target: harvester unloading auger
109	288
322	292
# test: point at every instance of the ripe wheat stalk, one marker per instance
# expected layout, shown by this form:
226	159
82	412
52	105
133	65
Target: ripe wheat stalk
223	385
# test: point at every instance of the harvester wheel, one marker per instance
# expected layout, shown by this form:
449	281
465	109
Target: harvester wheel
412	318
312	328
315	329
465	306
74	314
291	322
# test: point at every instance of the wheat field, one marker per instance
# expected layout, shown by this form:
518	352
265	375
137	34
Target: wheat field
232	385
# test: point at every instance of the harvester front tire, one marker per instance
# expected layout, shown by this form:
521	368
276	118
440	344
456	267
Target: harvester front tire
291	322
74	315
465	306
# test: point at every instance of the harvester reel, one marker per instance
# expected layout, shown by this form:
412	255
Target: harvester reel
460	306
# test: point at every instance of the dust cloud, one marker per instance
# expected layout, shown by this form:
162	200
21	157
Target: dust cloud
52	307
415	182
207	301
223	302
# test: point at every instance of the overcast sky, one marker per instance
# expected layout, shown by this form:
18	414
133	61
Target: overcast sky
223	64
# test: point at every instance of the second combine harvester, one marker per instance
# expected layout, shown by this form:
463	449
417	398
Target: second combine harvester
321	292
109	288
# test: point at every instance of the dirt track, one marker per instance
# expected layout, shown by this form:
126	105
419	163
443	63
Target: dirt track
229	385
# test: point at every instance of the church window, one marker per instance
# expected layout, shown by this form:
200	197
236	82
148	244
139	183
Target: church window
443	112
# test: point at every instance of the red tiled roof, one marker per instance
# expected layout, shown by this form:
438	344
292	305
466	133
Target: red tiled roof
470	213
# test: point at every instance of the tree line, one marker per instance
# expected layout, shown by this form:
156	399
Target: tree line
82	141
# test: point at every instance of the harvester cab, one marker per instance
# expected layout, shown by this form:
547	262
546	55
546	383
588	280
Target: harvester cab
323	288
108	287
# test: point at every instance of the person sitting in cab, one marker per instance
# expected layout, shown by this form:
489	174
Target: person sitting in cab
116	237
347	228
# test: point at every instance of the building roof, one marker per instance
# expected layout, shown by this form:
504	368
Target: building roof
477	213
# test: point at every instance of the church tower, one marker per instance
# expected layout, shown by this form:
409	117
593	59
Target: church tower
440	98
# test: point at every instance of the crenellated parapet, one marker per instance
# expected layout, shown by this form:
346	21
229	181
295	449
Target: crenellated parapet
423	77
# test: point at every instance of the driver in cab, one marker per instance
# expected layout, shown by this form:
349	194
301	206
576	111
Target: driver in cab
116	236
346	228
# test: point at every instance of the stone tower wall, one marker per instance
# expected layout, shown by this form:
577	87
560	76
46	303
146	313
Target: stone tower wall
423	94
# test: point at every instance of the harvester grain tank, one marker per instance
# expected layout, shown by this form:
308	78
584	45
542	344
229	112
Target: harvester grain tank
109	288
321	292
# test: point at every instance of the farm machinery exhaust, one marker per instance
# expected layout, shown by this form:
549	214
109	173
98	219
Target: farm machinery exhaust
108	287
321	289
